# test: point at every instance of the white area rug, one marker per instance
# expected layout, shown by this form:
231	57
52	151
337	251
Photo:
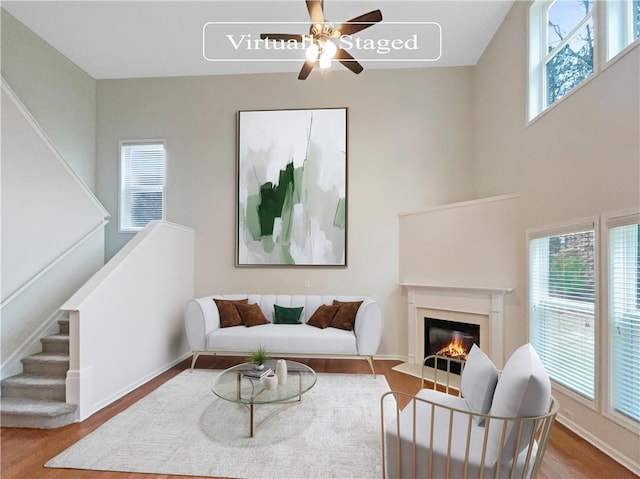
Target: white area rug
182	428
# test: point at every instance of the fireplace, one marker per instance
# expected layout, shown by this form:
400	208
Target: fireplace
452	339
483	307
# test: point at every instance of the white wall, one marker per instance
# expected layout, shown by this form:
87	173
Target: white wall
127	321
470	244
409	147
33	314
52	235
46	208
60	96
579	159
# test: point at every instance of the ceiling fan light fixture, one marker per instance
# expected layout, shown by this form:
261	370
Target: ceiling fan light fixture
312	52
325	61
321	48
329	48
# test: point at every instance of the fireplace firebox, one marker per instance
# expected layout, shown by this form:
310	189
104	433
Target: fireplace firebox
449	338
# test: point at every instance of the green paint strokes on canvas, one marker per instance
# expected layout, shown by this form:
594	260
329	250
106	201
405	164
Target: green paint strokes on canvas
276	201
340	218
252	220
286	257
287	214
272	199
297	180
267	243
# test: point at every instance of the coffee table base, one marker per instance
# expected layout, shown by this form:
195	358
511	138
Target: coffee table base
288	404
253	426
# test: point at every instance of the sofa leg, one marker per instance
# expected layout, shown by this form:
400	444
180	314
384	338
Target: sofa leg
196	355
370	361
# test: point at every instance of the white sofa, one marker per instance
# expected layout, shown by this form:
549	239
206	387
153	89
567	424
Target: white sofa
498	428
205	336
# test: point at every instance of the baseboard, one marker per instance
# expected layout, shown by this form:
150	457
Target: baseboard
136	384
390	357
601	445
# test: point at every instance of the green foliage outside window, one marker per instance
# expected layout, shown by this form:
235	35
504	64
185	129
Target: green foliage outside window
574	62
636	18
571	264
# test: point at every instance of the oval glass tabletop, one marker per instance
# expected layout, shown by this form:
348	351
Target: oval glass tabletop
234	385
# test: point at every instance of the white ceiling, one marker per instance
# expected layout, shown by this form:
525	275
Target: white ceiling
130	39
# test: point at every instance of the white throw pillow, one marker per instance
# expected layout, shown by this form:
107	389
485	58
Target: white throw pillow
524	390
479	379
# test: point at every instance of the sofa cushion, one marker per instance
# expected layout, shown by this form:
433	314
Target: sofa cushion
323	316
251	314
229	315
524	390
283	338
283	315
345	318
478	382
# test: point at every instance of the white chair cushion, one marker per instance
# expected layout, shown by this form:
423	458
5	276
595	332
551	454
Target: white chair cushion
441	416
478	382
524	390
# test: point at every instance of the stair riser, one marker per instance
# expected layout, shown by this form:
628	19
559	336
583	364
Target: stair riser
64	327
30	392
55	346
37	422
53	369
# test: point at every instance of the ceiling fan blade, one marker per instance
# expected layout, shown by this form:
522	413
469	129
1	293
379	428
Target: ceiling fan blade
358	24
348	61
315	11
306	69
280	36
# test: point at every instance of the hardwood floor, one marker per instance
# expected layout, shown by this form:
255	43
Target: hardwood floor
24	451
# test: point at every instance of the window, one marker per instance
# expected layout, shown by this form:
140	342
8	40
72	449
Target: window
562	306
623	25
142	174
562	41
624	318
564	37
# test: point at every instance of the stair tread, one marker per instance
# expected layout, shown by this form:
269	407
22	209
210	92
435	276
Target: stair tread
50	357
33	380
35	407
56	337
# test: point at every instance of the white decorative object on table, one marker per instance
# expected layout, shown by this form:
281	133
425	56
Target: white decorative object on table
281	371
271	381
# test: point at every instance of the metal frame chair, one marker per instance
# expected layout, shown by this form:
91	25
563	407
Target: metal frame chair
466	451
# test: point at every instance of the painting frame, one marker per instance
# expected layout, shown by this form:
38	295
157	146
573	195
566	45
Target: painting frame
291	188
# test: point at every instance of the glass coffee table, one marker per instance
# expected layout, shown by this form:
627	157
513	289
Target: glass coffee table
232	385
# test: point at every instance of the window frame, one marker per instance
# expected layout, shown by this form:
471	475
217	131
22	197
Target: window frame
619	20
133	230
537	37
584	224
608	221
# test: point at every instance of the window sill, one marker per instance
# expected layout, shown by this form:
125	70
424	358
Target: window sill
561	100
622	53
565	391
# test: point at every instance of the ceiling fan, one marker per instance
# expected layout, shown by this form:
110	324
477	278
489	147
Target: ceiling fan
321	35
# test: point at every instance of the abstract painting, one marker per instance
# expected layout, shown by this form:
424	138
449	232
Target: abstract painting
292	188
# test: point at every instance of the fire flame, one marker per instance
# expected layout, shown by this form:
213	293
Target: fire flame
455	349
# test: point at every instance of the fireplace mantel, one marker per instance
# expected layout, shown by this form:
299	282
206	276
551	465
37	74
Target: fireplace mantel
483	301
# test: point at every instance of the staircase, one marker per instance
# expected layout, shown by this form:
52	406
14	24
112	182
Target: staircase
36	398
